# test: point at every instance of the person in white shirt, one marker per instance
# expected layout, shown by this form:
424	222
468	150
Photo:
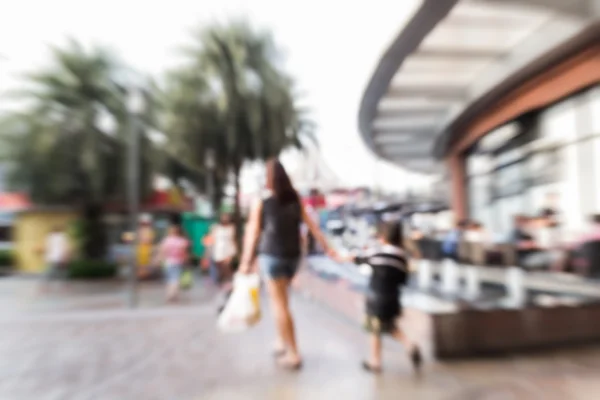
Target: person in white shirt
224	248
56	254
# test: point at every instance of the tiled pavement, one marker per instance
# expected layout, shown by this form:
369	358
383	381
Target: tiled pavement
177	353
20	295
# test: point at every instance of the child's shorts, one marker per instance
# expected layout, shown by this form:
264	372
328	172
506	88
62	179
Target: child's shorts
172	273
381	314
379	326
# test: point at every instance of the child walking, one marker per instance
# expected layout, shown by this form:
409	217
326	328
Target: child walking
173	252
383	306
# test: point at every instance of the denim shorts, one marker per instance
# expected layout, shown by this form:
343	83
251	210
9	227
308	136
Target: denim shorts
274	267
172	272
55	270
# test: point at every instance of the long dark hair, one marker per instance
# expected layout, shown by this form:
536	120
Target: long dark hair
278	182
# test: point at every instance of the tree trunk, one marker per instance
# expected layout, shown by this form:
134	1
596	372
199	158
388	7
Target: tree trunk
237	212
94	241
216	194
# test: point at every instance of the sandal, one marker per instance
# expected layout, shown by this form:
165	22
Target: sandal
289	365
370	368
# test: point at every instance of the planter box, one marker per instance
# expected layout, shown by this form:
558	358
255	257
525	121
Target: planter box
485	332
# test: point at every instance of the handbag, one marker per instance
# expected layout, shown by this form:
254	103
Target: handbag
242	309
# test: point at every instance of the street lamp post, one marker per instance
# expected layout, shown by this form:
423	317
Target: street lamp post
209	163
135	105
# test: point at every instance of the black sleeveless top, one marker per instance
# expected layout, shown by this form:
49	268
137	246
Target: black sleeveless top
280	233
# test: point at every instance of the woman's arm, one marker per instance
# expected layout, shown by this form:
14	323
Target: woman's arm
316	232
251	237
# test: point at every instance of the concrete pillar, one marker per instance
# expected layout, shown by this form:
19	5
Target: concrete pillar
515	286
450	277
424	274
456	165
473	281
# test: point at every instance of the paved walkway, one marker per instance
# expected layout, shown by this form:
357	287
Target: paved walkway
168	353
19	295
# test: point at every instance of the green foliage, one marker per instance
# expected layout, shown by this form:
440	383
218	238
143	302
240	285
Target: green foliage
233	98
60	152
7	258
70	145
91	269
77	234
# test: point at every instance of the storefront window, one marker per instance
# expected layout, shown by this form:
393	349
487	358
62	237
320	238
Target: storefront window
544	168
595	144
499	137
595	109
559	122
478	164
479	199
529	160
570	193
505	210
509	180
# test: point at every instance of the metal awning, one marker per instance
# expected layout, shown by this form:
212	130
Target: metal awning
448	56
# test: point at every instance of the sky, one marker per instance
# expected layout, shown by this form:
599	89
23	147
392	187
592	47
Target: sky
331	48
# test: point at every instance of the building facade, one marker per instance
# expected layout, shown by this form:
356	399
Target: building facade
504	98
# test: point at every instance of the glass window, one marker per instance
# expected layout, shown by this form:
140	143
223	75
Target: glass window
479	189
509	156
505	209
570	201
509	180
479	199
595	105
478	164
595	144
544	167
559	122
587	173
499	137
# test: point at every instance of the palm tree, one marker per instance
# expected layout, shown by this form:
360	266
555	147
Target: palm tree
233	97
62	148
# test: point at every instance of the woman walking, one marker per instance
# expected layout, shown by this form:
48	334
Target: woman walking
275	224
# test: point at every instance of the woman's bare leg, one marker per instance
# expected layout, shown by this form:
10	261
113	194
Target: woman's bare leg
278	294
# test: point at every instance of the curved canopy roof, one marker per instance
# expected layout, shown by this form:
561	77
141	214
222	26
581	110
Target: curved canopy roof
447	57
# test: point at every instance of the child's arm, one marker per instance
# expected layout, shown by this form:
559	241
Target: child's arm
352	258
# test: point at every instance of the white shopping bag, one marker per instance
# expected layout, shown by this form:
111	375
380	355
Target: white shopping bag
243	307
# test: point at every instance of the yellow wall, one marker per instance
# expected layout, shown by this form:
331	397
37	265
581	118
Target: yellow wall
30	231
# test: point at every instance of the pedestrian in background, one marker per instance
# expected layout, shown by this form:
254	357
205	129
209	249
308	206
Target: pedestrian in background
223	249
173	253
56	255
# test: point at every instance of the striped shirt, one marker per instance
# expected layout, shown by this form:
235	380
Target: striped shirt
390	270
